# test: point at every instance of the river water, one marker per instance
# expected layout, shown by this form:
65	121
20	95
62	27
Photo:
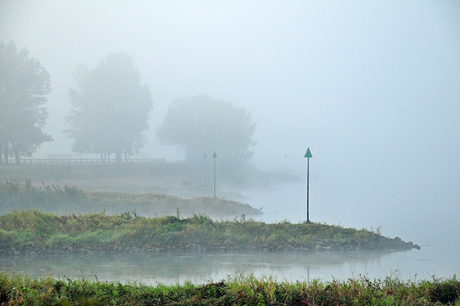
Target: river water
436	230
439	255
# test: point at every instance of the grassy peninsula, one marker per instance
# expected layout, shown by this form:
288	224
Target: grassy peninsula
33	232
236	290
66	199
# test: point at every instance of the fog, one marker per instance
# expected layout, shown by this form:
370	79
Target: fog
371	87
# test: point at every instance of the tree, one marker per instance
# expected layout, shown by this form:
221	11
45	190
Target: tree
202	124
110	108
24	83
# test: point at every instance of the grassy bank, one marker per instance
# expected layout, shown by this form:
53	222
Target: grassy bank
34	231
18	194
236	290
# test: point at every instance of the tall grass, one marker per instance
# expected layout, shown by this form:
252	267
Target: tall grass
236	290
32	231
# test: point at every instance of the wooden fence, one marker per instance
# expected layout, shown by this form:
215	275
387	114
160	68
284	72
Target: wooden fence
81	161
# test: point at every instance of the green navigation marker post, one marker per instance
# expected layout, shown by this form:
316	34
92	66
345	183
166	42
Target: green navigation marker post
214	156
204	156
307	156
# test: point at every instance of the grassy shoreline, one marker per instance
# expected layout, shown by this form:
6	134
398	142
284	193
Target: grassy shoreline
33	232
236	290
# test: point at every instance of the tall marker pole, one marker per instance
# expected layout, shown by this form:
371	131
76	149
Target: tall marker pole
307	156
214	156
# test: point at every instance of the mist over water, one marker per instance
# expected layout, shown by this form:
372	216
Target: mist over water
438	238
372	88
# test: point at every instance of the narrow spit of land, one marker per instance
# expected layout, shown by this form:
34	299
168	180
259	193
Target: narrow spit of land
32	231
236	290
65	199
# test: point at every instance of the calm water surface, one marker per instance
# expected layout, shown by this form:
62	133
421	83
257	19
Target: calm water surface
200	268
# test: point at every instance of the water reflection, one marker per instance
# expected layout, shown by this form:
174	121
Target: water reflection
170	268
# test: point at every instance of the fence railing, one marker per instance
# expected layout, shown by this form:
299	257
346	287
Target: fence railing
80	161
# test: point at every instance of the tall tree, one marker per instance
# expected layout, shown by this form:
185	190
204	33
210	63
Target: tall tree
110	108
202	124
24	84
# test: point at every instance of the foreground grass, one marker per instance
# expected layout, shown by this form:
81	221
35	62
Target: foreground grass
16	194
236	290
35	231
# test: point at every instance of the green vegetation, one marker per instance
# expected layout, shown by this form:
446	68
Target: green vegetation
36	232
16	195
236	290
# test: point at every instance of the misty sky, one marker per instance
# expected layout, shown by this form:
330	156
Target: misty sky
372	87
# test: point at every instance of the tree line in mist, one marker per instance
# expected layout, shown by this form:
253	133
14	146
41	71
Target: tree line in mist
110	110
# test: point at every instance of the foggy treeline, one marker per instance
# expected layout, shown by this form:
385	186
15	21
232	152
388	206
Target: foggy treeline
110	109
24	84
